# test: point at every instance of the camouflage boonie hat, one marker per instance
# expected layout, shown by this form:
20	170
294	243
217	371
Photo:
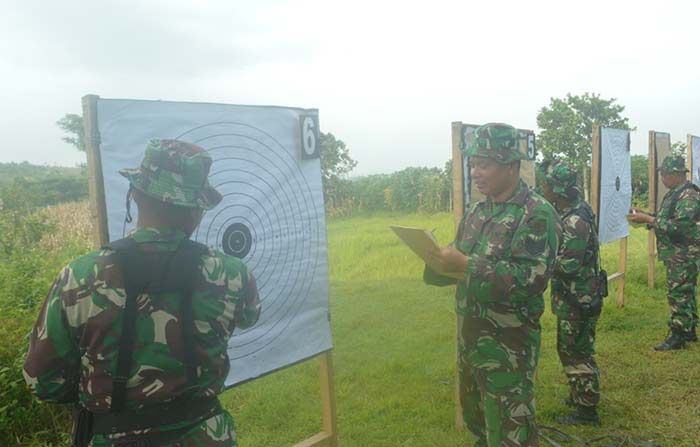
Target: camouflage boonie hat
673	163
175	172
497	141
561	178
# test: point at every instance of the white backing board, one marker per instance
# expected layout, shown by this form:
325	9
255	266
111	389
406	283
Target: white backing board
615	184
271	215
662	145
695	144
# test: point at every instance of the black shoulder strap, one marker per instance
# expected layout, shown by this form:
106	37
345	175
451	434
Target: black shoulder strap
184	266
181	276
135	279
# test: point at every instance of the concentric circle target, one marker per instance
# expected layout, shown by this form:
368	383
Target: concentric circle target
237	240
268	217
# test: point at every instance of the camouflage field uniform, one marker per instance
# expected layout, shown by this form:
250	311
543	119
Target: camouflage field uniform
677	236
511	248
73	347
576	300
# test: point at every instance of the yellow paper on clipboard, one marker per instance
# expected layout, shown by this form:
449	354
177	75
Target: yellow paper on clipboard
422	243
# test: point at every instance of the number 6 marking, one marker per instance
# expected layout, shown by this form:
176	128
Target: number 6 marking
309	136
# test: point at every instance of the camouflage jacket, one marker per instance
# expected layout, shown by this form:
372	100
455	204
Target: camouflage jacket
511	248
677	227
74	343
576	271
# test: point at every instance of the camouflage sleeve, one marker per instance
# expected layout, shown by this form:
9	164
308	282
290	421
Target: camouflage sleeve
527	270
573	247
684	220
52	365
433	278
248	307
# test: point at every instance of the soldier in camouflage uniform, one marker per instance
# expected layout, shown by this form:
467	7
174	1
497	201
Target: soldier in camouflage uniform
678	244
503	254
576	293
169	393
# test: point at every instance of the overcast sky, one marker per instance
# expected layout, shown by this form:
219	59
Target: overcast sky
388	76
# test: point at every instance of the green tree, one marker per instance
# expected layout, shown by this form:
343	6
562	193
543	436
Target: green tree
336	164
679	148
640	180
72	124
567	125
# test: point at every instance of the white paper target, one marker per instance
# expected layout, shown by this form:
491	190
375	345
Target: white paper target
527	167
615	184
695	144
267	167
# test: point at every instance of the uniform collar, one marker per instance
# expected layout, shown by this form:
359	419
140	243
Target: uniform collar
148	234
569	207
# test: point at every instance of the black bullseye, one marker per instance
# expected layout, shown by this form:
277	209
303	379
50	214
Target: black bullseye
237	240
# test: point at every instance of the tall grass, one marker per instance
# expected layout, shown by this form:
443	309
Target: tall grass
394	353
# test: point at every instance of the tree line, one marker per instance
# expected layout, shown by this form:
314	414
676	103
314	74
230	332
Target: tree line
565	126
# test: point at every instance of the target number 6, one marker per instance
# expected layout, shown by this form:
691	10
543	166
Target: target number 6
309	136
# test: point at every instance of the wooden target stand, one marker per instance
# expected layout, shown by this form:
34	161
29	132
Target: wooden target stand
659	147
620	275
328	437
527	172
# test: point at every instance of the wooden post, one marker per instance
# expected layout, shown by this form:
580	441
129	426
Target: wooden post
595	173
622	268
96	186
458	200
689	156
457	173
329	436
651	237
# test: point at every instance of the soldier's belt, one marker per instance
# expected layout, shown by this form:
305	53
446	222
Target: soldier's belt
176	411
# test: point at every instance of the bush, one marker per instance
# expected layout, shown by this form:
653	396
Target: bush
28	264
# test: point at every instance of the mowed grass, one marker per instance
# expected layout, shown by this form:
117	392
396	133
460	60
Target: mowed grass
394	355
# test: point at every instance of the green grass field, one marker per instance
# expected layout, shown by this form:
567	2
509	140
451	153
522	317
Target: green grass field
394	355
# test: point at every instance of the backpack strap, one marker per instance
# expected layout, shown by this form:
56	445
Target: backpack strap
184	267
134	275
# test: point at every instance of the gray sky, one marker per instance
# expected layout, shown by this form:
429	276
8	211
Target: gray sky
388	76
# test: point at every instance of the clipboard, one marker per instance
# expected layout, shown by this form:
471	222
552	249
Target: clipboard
422	242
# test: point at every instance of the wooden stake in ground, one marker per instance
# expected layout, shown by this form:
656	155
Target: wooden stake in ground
659	148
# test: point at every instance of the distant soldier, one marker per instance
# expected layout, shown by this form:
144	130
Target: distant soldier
135	334
577	291
504	251
678	244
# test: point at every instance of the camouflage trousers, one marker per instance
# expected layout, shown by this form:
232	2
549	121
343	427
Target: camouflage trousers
496	383
216	431
576	347
681	280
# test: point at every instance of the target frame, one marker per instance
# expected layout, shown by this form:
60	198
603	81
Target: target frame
618	277
659	146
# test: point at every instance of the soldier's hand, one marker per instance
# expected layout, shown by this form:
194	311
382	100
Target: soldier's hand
640	217
450	260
